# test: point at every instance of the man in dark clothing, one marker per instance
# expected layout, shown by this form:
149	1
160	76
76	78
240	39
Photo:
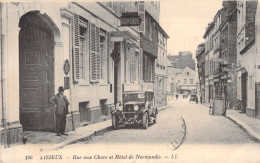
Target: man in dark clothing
60	103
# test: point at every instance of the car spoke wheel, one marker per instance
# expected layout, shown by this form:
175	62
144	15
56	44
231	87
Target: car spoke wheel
145	121
115	121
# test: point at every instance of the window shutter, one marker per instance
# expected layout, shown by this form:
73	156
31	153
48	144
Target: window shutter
141	13
93	53
95	58
98	57
108	57
76	47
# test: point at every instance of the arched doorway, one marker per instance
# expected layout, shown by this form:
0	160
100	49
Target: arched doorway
36	72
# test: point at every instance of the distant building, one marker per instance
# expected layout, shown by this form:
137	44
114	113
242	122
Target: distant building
182	80
160	91
209	85
173	86
200	55
184	59
188	81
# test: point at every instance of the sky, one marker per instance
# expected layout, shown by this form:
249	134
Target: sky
185	22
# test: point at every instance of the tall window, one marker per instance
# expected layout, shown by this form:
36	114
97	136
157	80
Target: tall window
191	81
80	47
103	52
132	65
185	81
148	68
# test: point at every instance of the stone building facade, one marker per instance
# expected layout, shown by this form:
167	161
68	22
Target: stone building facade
200	55
78	45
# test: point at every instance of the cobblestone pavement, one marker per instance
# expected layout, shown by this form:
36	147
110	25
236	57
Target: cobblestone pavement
202	128
208	138
166	128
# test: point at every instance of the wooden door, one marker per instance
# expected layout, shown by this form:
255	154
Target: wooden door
244	91
36	68
257	100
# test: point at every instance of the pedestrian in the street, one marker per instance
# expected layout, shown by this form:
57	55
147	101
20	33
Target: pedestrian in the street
60	103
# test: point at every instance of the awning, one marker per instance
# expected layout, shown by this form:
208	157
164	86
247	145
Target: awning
149	46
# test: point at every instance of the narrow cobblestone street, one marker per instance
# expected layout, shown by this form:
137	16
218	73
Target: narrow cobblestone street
202	128
213	138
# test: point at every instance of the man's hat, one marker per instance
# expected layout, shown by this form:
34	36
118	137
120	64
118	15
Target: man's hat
61	89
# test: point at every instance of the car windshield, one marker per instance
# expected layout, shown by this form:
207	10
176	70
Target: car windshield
134	97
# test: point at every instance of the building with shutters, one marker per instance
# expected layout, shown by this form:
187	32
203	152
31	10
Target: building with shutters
209	84
136	48
80	46
47	45
149	13
160	91
246	53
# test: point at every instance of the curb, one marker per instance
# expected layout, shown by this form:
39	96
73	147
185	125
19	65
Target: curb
84	138
95	133
245	127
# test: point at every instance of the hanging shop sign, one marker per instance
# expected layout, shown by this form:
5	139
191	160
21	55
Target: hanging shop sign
130	19
66	67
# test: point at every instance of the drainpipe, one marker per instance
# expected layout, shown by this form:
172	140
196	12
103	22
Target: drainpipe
3	76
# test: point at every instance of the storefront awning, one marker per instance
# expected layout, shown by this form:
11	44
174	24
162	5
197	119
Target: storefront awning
149	46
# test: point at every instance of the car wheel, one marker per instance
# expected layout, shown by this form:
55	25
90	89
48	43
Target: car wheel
115	121
155	117
145	120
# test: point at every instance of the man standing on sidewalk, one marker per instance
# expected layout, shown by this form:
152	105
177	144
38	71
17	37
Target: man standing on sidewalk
60	103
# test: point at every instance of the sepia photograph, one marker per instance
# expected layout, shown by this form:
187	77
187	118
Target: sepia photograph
130	81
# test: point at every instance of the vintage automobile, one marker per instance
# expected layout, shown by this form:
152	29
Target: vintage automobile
194	98
137	109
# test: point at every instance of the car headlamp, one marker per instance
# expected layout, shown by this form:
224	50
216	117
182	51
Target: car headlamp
136	107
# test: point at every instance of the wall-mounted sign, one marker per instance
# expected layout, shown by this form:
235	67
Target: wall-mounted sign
66	67
66	82
130	19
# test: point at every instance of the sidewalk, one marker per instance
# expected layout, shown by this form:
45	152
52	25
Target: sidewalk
249	124
36	137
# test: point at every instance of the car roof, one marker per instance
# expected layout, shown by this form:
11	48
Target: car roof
136	91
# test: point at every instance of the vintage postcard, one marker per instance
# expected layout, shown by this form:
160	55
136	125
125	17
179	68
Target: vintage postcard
130	81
